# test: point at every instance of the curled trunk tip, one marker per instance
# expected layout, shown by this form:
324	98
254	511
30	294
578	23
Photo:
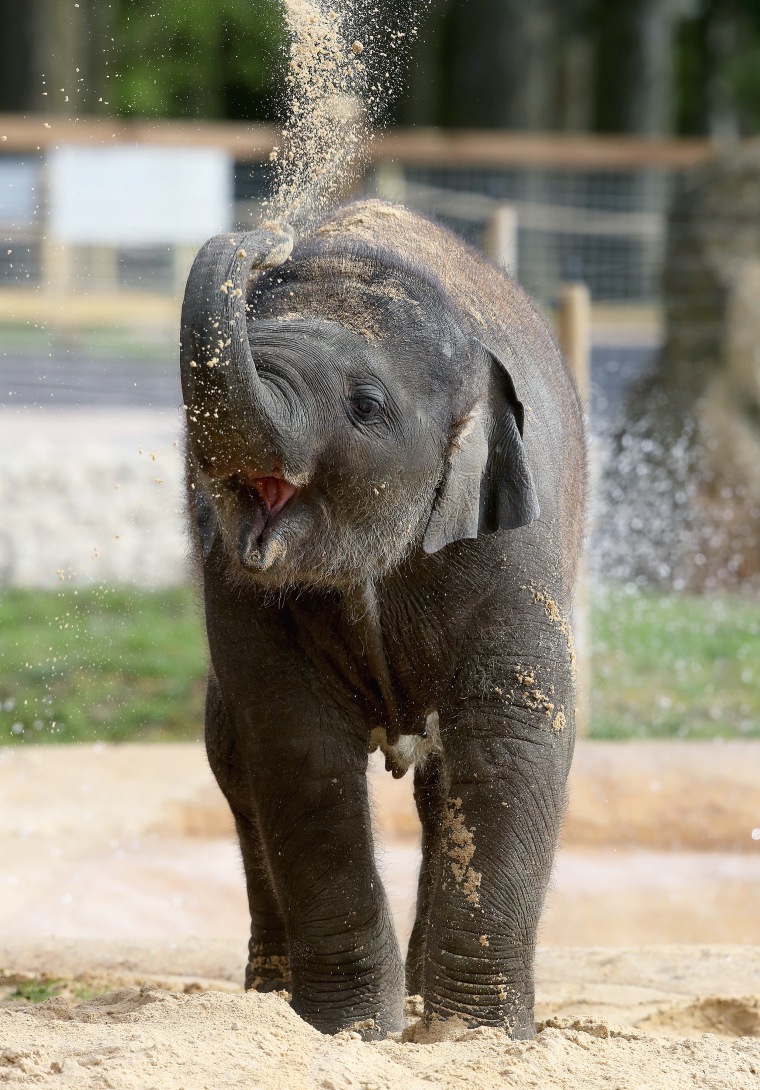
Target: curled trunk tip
214	310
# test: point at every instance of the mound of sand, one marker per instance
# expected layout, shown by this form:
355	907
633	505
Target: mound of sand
654	1017
115	842
157	1040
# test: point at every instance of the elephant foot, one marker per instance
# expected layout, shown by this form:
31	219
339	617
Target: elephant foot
267	971
259	984
518	1024
388	1018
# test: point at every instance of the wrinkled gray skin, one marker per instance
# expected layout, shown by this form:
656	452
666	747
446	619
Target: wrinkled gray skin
385	463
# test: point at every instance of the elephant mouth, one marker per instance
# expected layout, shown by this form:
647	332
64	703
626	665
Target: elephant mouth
273	493
264	499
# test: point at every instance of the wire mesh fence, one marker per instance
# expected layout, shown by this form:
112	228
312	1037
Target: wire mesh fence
604	228
603	223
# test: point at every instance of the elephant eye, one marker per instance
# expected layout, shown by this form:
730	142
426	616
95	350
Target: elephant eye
365	408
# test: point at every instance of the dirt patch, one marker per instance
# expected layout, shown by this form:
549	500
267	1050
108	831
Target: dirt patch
557	618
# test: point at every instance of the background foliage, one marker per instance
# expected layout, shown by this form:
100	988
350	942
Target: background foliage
639	66
192	58
651	66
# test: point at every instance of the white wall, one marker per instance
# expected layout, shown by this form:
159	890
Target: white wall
138	196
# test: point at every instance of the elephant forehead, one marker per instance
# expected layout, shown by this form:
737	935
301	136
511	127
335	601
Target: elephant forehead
366	297
306	341
307	345
359	308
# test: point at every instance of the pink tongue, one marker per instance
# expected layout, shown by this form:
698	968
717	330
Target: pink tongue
274	492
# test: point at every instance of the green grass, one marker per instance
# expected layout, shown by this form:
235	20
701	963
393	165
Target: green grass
105	664
37	991
123	665
674	666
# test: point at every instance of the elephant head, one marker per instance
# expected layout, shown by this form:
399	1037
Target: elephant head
338	415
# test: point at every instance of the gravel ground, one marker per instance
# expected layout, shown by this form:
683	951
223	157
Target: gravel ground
91	496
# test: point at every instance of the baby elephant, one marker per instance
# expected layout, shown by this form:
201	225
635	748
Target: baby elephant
385	470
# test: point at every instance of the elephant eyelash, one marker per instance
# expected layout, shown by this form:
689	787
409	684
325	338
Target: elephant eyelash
369	396
359	418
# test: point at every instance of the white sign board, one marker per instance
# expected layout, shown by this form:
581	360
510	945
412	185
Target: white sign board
138	196
19	190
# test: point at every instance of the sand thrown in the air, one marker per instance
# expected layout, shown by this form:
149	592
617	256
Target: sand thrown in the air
326	124
159	1040
345	64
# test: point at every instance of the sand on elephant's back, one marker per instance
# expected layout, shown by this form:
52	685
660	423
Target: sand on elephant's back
466	277
147	1037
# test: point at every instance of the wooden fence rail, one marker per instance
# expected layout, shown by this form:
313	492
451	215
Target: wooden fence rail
413	147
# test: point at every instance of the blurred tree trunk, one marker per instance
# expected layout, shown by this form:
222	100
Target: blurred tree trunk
507	61
684	502
577	63
635	66
421	104
714	35
18	34
55	56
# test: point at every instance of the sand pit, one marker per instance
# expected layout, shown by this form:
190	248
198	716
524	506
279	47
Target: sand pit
154	1039
119	875
132	841
173	1017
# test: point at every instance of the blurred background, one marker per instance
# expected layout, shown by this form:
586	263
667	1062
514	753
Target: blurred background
603	153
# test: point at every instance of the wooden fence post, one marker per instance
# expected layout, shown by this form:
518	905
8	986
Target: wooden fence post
104	268
574	333
390	181
574	336
500	238
57	268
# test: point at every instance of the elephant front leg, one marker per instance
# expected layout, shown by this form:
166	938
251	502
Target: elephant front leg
268	968
505	787
310	791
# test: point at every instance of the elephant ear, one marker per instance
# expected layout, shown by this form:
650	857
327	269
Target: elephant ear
487	483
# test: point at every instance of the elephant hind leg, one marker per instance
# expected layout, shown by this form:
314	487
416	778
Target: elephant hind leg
430	797
268	967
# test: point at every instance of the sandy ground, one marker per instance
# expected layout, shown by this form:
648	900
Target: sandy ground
651	1018
136	841
119	874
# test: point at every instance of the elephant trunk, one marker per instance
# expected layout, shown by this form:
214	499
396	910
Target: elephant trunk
217	369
